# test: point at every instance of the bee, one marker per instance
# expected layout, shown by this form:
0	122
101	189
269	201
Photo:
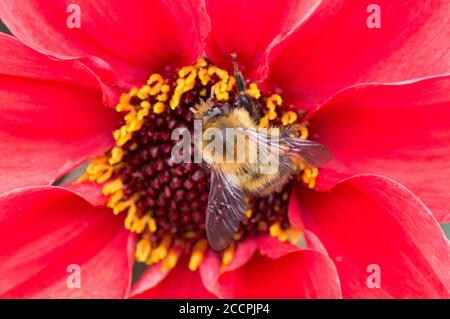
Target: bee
260	165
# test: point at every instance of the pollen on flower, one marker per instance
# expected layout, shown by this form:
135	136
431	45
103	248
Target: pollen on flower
165	203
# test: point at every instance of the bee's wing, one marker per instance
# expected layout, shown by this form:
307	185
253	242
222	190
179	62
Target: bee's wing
226	208
311	154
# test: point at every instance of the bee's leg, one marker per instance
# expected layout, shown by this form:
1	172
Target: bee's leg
240	83
226	108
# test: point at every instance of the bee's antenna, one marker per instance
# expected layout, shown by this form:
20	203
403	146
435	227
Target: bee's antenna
240	83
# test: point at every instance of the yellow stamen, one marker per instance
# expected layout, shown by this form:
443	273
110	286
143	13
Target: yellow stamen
115	198
248	213
159	107
289	117
264	121
228	255
116	155
294	235
143	250
275	229
283	236
170	261
198	252
121	206
112	187
160	252
253	91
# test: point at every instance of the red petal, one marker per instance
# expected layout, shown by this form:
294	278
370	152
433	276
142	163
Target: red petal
398	131
211	266
90	191
248	27
369	220
51	116
135	37
44	230
335	49
273	248
301	274
179	283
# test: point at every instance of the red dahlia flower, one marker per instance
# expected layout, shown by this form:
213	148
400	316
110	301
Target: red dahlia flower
379	99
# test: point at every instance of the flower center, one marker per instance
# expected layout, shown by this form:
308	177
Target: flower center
164	202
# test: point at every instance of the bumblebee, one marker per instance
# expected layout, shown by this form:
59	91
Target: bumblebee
246	160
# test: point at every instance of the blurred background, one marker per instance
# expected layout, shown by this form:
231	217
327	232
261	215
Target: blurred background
446	227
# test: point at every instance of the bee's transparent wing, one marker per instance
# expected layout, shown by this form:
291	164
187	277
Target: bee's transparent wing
226	208
310	153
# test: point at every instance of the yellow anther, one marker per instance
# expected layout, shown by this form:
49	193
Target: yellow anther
272	115
253	91
123	140
187	70
116	155
165	88
145	105
115	198
121	206
99	160
143	92
135	125
248	213
132	211
155	78
190	82
174	101
201	63
306	175
309	176
143	249
312	184
275	229
203	92
160	252
170	261
135	224
222	74
162	97
303	132
151	224
289	117
133	92
159	107
228	255
106	175
142	113
204	76
211	70
294	235
282	236
231	83
121	107
285	196
272	102
198	252
264	121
